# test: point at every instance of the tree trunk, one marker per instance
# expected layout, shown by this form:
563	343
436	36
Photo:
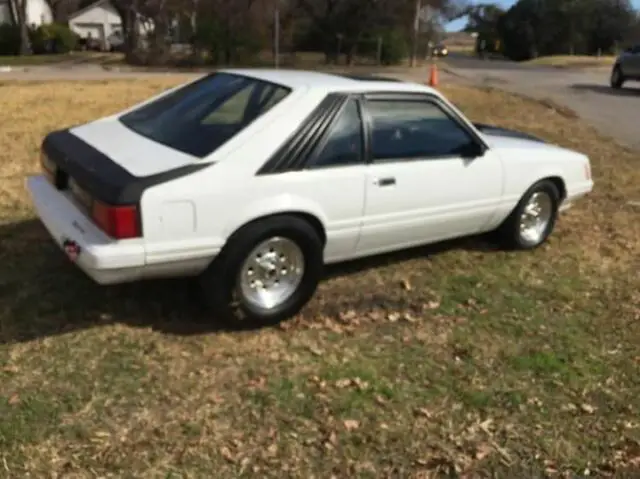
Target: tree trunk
130	29
19	11
351	53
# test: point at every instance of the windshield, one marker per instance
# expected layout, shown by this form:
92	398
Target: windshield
200	117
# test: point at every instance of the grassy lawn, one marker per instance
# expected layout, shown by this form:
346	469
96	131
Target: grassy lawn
574	61
453	360
72	58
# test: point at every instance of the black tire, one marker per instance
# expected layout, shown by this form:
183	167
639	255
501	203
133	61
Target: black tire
510	234
219	284
617	78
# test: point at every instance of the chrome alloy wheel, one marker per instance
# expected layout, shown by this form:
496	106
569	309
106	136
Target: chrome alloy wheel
271	273
535	217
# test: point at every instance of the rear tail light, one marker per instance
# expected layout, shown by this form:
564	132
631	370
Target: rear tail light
119	222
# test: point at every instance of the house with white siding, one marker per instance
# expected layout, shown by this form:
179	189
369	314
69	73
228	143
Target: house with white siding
38	12
100	21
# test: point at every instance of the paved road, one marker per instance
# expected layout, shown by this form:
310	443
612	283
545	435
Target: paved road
614	112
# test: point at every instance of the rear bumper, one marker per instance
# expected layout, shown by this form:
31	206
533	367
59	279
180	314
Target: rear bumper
104	260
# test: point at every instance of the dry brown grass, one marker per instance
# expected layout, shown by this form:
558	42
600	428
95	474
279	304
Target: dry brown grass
446	359
575	61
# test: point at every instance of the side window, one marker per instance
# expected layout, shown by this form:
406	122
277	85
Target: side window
344	141
409	129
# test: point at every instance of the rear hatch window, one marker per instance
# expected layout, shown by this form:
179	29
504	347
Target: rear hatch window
201	116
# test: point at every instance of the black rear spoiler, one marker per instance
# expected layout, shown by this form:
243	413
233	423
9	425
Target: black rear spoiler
98	174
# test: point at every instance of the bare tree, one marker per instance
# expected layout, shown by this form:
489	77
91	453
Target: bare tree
19	13
62	9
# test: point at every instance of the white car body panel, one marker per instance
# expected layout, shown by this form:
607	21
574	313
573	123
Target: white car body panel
431	200
187	221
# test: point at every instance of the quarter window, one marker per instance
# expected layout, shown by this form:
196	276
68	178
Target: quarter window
414	129
344	141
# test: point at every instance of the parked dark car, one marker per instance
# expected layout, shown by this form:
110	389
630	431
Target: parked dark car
90	44
440	50
626	67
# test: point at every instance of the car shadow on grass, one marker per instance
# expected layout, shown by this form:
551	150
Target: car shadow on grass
43	295
607	90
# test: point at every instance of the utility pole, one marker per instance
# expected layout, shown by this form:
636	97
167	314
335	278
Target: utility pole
276	34
416	30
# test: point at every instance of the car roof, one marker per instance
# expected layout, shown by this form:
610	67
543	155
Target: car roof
295	79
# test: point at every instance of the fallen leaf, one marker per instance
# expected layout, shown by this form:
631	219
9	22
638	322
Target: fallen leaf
393	317
346	316
410	318
226	454
14	399
433	305
406	285
351	424
362	385
423	411
272	449
588	408
343	383
482	451
485	425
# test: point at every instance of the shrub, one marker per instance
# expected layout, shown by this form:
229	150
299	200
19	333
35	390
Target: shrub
9	39
394	48
53	38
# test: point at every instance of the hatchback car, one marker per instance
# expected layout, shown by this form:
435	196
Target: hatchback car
253	180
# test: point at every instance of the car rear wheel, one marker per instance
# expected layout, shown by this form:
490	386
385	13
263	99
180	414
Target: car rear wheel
266	273
533	219
617	78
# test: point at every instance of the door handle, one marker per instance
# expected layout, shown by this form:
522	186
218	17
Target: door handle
385	181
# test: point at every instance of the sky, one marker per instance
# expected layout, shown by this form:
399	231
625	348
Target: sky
461	22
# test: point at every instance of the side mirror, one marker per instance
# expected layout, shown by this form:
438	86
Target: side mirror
472	150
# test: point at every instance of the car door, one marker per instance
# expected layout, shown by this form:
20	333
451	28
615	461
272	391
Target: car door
631	67
424	183
334	177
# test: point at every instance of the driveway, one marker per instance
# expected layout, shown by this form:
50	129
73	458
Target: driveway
613	112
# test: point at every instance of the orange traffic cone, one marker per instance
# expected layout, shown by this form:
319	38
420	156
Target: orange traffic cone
433	75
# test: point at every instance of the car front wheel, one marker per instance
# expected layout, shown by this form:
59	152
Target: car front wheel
617	78
533	219
266	273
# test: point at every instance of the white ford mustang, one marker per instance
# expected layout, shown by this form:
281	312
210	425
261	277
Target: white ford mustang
252	180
